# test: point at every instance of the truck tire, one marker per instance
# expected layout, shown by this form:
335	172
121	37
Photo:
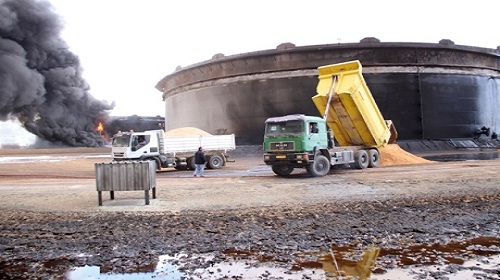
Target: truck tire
374	158
181	167
282	170
320	167
190	163
215	162
361	159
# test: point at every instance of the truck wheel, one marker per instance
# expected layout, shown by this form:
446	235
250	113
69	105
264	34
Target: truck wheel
320	167
361	159
215	162
190	163
374	158
282	170
181	167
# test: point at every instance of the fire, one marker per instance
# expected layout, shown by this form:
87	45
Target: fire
100	127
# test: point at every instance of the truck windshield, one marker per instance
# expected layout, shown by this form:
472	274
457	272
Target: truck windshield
283	128
121	141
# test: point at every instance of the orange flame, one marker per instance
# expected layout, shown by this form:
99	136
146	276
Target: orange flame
100	127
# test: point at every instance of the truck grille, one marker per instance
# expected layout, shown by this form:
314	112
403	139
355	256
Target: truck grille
282	146
118	155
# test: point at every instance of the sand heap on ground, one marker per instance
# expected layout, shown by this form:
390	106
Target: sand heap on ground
186	131
392	154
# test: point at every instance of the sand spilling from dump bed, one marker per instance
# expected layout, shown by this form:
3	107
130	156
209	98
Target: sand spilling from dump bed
186	131
392	154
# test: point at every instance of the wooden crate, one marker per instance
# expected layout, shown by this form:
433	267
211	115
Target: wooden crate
126	176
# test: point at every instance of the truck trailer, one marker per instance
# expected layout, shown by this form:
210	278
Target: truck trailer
171	151
350	131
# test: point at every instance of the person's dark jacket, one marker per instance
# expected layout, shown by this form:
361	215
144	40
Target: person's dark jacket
199	157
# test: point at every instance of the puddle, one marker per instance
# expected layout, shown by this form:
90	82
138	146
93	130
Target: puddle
472	269
388	263
463	156
478	257
30	159
164	270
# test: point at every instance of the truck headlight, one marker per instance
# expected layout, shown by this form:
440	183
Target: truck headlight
302	157
266	157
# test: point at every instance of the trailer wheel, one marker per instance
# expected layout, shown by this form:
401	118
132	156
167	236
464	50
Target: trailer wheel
374	158
361	159
320	167
215	162
282	170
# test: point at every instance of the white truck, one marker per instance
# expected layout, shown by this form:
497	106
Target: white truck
171	151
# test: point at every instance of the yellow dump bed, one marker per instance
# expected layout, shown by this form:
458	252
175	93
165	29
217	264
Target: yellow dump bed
349	108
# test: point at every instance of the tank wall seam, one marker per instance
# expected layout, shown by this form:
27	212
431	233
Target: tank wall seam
313	73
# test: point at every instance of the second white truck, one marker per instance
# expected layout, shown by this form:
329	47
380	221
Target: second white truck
171	151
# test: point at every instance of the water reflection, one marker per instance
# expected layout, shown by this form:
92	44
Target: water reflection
347	261
342	262
454	260
164	270
463	156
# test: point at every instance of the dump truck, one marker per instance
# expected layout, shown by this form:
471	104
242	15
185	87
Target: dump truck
349	133
171	151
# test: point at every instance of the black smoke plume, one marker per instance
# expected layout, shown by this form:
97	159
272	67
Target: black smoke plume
41	81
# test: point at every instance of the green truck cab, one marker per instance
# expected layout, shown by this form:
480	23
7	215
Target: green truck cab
299	141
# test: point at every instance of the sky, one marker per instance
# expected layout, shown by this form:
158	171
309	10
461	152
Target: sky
126	47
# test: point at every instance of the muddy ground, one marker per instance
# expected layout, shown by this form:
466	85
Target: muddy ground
414	214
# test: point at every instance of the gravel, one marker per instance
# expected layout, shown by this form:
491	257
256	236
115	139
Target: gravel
454	204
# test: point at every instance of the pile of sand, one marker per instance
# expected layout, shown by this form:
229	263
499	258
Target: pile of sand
186	131
392	154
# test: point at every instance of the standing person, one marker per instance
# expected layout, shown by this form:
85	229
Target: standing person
199	162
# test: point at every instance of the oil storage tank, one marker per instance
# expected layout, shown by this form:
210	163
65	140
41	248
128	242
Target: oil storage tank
429	90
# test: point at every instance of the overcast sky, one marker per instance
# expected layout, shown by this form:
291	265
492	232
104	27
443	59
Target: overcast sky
127	46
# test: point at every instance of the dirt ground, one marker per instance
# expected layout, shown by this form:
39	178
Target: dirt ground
51	221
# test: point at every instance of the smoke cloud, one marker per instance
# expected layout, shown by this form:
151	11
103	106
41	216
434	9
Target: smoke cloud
41	81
